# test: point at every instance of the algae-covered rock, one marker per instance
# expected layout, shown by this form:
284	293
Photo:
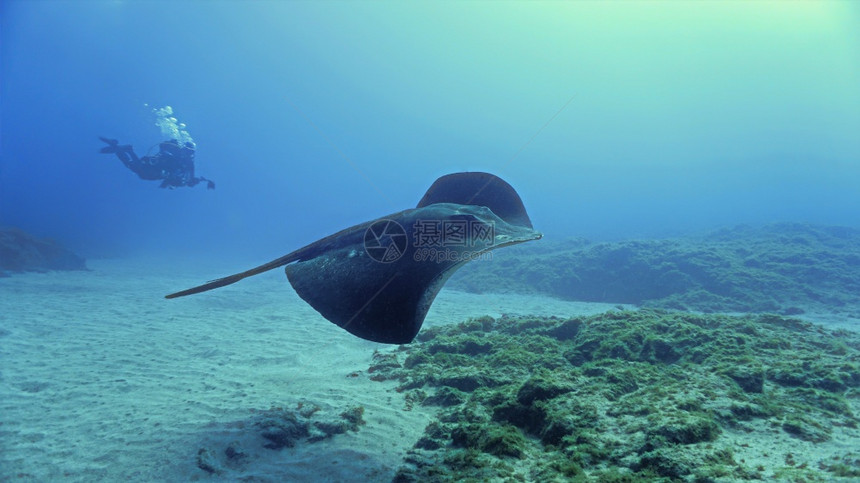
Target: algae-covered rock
541	387
779	268
496	440
806	429
353	418
236	449
446	396
689	428
626	396
207	462
284	428
749	378
22	252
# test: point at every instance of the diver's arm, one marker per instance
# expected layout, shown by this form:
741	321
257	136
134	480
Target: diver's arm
210	185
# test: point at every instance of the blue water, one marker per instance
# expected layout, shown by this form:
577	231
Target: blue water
619	120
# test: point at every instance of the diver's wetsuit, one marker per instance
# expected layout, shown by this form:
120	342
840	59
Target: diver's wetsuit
173	164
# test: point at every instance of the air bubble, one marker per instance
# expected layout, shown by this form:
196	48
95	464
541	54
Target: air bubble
170	127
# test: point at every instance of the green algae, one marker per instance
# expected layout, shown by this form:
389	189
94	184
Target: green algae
623	396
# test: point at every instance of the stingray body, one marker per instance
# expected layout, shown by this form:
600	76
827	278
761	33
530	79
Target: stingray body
378	279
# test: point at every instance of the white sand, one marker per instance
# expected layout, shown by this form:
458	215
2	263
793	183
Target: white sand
104	380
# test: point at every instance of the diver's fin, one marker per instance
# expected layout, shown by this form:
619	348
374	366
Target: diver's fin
112	146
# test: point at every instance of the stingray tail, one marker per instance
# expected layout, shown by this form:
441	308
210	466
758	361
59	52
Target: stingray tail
231	279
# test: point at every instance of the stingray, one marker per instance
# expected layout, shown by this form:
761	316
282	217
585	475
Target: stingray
378	279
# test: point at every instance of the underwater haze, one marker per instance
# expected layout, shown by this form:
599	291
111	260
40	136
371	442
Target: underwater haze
676	298
611	120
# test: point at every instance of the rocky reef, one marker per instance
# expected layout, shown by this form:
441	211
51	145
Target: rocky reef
230	454
631	396
783	268
22	252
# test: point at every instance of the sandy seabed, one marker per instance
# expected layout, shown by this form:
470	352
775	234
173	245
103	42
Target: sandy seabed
101	379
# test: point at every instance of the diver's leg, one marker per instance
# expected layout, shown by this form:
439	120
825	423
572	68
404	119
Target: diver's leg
123	156
130	152
129	159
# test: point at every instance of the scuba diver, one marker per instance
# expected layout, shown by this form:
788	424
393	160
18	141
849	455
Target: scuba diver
173	164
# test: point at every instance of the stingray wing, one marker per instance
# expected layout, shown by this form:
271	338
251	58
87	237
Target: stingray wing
375	301
378	279
479	189
386	299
